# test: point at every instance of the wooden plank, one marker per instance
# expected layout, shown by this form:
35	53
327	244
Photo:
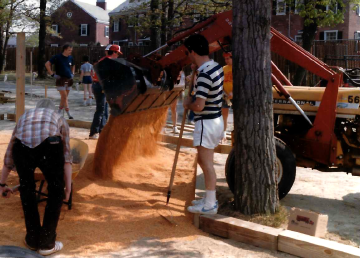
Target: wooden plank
11	117
136	103
240	230
2	116
148	102
161	99
20	74
79	124
308	246
186	142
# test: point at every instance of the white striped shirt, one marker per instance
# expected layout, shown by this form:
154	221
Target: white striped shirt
209	86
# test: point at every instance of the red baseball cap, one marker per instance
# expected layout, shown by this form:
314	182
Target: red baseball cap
115	48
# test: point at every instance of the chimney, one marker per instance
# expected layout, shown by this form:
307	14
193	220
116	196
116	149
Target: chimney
101	3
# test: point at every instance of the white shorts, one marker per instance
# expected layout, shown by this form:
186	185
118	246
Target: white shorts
208	132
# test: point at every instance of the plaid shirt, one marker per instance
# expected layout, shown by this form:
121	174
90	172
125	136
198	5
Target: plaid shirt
34	127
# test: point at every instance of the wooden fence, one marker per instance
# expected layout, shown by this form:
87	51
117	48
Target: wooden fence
344	53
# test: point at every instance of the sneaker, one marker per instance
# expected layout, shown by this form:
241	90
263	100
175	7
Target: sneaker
90	101
58	246
85	102
198	202
60	111
202	209
28	246
176	130
70	116
94	136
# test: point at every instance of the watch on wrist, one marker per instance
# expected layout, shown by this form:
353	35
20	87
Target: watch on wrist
3	185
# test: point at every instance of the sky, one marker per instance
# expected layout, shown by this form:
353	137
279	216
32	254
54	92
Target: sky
111	4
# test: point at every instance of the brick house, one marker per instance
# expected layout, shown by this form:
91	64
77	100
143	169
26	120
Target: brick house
80	23
291	24
123	33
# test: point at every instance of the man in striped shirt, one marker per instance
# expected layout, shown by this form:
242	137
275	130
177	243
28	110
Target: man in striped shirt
209	124
40	139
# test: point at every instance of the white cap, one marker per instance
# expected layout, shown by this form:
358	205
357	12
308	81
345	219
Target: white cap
108	47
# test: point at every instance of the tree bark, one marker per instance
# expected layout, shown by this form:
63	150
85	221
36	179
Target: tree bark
154	6
7	35
42	36
308	37
1	45
170	19
163	22
255	182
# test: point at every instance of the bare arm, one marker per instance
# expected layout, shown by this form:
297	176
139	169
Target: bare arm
197	106
48	67
67	177
4	175
81	75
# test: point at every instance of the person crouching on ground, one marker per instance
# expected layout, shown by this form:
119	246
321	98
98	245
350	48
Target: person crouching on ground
86	79
209	124
228	91
40	139
65	68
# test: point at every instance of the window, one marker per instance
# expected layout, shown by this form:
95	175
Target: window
55	28
196	18
83	45
297	3
54	45
280	7
358	10
130	44
116	43
298	38
84	30
140	44
357	35
116	26
332	8
107	31
146	43
330	35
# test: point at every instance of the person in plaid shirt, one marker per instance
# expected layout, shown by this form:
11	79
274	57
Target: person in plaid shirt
40	139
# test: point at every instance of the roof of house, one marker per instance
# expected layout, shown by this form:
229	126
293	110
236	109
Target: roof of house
127	5
96	12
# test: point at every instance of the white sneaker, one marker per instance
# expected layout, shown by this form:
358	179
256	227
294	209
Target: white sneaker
176	130
85	102
202	209
198	202
94	137
58	246
90	101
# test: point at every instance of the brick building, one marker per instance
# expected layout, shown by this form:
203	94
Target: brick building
123	31
80	23
291	24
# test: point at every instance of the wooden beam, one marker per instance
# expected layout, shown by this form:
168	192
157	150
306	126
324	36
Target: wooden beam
308	246
240	230
20	74
187	142
79	124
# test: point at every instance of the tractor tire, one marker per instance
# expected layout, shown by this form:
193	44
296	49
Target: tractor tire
285	168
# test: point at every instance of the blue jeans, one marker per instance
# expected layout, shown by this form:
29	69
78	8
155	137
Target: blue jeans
101	113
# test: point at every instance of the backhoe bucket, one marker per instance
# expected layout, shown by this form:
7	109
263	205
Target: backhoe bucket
128	89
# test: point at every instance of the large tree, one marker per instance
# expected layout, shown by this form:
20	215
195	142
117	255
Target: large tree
255	183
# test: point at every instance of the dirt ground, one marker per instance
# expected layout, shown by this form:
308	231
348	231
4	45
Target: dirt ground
122	216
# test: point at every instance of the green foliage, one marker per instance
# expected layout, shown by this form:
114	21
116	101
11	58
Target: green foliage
323	12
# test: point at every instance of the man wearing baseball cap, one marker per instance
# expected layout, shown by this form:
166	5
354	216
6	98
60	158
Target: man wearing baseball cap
100	115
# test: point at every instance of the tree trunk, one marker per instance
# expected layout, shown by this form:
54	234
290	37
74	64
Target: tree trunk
170	19
7	36
2	58
255	183
163	22
154	6
308	37
42	35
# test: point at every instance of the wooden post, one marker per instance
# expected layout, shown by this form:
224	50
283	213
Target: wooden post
31	74
20	74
